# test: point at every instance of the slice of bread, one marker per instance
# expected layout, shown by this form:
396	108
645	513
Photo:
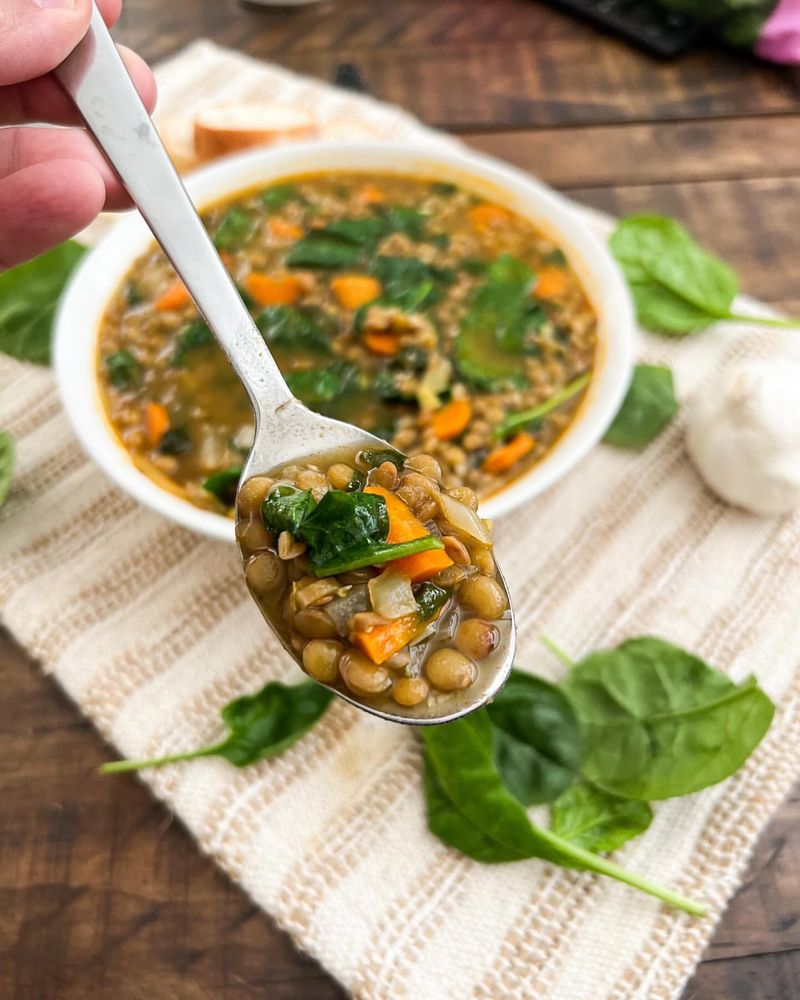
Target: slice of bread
227	128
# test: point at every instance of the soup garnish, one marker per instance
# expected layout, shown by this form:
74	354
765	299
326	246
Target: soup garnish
382	582
412	309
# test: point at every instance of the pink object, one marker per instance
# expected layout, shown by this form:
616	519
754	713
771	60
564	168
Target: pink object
779	40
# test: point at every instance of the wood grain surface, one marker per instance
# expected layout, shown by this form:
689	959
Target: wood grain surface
103	896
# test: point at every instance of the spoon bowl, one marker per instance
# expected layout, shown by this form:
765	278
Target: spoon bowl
286	431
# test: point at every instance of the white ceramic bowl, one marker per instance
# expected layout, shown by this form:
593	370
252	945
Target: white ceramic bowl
102	271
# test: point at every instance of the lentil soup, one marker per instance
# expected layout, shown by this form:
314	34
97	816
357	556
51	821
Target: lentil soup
382	582
444	323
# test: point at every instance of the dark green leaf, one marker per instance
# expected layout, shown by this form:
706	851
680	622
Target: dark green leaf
474	266
294	329
234	229
286	507
409	221
678	287
320	250
593	819
430	599
392	385
7	460
29	295
341	522
315	386
373	457
374	554
556	258
648	407
443	188
363	233
175	442
407	283
122	369
260	726
278	195
133	294
470	808
499	328
411	358
658	722
524	418
223	484
537	740
267	723
196	334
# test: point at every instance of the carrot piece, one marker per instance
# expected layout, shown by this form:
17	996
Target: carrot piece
381	343
551	282
268	290
371	195
280	229
156	421
451	419
486	216
403	527
176	297
382	641
503	457
355	290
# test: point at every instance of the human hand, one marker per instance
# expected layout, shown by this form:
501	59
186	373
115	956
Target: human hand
53	181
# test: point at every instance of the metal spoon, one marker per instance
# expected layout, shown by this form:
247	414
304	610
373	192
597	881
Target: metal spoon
95	78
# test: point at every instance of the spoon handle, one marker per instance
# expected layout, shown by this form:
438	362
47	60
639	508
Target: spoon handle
96	79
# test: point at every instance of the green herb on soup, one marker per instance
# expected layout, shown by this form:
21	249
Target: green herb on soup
410	308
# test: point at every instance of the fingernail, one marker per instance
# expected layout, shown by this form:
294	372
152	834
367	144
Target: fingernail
56	4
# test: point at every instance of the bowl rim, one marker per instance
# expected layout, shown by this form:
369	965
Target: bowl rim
100	272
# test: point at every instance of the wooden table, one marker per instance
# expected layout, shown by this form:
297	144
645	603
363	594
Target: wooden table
102	895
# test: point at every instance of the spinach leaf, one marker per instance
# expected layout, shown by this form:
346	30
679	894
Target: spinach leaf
122	369
658	722
430	599
556	257
402	219
223	484
196	334
593	819
648	407
8	454
373	457
286	507
514	421
470	809
374	554
319	250
346	531
133	294
499	328
411	358
537	740
295	329
342	521
175	441
29	295
234	229
444	188
339	244
391	385
315	386
275	197
408	283
259	726
677	286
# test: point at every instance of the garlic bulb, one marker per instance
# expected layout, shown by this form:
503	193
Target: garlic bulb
744	436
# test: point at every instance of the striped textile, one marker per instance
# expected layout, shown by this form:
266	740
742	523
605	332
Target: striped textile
150	631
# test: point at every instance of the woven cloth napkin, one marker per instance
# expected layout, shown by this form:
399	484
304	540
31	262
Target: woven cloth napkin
150	630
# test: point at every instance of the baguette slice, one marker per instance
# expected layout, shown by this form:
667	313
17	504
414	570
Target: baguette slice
230	127
177	134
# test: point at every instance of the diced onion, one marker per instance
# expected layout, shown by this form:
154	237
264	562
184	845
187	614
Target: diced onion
463	522
391	594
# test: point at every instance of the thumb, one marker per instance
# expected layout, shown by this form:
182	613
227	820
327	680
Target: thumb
37	35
